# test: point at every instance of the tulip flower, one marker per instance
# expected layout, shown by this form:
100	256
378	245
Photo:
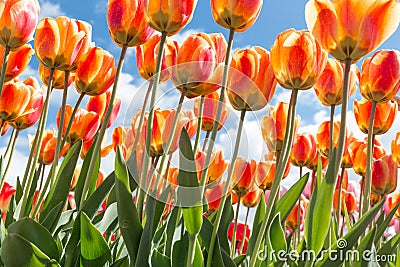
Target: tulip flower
302	73
213	197
104	151
17	62
385	114
292	221
18	19
396	149
84	124
350	152
95	73
169	16
48	147
123	137
34	107
4	128
273	126
146	58
99	104
304	149
384	175
58	77
380	77
352	29
14	99
242	177
252	198
210	111
126	22
347	198
251	82
323	134
61	42
216	168
329	85
7	191
240	236
360	158
393	200
235	14
313	165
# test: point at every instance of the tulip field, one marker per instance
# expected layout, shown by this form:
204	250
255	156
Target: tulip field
155	184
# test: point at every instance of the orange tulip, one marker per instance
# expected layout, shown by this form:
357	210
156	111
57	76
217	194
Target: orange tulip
104	150
313	165
252	198
251	82
384	175
347	198
265	173
292	221
352	29
14	100
172	177
329	85
126	22
396	149
384	115
169	16
323	134
18	19
58	77
146	58
380	78
47	150
310	62
198	70
242	176
84	126
216	168
7	191
5	128
210	111
360	158
214	196
34	108
18	60
350	152
61	42
123	137
304	149
234	14
393	201
99	104
273	126
95	73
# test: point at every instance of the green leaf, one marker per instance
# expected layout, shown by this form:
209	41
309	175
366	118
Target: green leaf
286	203
258	219
37	235
382	226
58	195
72	249
94	249
83	174
226	219
19	191
347	242
171	226
128	217
179	253
239	259
276	235
10	213
110	216
318	214
16	251
189	192
124	262
365	244
31	195
94	202
160	260
390	246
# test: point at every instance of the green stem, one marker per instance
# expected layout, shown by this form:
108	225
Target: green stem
205	140
42	125
331	128
142	115
362	186
339	200
368	173
201	108
71	120
62	118
9	143
244	232
342	132
42	177
284	157
218	116
233	244
4	67
299	213
227	185
191	250
14	142
97	145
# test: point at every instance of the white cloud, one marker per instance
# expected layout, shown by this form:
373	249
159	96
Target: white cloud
49	9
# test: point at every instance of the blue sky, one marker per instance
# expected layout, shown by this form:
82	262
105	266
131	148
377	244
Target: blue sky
275	17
